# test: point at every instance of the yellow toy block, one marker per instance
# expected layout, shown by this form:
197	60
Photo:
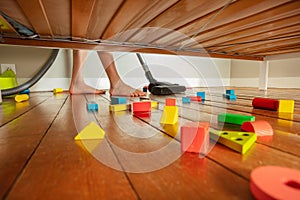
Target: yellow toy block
286	106
91	131
169	115
119	107
57	90
21	97
154	104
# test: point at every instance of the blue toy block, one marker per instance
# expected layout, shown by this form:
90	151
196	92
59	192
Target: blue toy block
118	100
201	94
229	91
230	96
92	106
27	91
186	100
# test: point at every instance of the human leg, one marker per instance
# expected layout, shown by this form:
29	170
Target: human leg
117	86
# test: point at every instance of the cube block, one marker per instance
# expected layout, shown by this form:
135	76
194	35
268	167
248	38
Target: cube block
230	96
186	100
119	107
229	91
118	100
286	106
238	141
142	106
170	102
234	118
169	115
92	106
195	137
201	94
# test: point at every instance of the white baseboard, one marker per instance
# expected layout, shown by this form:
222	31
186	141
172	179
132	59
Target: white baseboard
286	82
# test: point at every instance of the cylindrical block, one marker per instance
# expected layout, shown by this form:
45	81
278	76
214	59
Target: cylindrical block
265	103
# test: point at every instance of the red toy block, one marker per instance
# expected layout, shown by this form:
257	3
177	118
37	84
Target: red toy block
265	103
170	102
141	106
195	137
260	127
274	182
196	98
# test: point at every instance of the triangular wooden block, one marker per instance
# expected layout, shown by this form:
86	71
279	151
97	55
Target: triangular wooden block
91	131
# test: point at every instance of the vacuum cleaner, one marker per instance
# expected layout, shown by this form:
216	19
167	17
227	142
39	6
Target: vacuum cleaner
156	87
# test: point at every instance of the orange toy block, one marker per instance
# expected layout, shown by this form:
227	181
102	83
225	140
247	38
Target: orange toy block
170	102
141	106
275	182
260	127
195	137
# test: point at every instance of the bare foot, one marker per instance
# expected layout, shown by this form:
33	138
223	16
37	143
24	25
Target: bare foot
123	89
84	89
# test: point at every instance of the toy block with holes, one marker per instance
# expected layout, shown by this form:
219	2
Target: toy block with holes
234	118
196	98
265	103
57	90
141	106
186	100
170	102
238	141
230	96
119	107
21	97
260	127
91	131
118	100
92	106
201	94
286	106
195	137
169	115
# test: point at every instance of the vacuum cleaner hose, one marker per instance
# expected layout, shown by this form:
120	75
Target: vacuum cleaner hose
34	79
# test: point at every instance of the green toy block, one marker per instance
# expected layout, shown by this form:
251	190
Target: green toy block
234	118
238	141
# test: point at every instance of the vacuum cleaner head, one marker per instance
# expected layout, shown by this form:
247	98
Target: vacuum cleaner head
161	88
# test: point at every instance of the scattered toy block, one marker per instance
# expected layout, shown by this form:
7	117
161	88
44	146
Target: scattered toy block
154	104
196	98
230	92
21	97
57	90
91	131
286	106
186	100
92	106
275	182
260	127
170	102
238	141
234	118
195	137
118	100
230	96
27	91
265	103
201	94
169	115
142	114
119	107
142	106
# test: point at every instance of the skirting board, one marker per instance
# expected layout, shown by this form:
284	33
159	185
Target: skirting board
48	84
286	82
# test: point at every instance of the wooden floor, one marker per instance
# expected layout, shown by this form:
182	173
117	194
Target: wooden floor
41	160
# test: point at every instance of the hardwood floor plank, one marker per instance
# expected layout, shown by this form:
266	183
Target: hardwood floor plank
62	168
20	137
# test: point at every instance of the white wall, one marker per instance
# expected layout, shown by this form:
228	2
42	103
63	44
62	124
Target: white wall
188	71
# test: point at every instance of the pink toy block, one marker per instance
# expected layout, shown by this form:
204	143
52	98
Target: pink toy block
170	102
195	137
260	127
141	106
